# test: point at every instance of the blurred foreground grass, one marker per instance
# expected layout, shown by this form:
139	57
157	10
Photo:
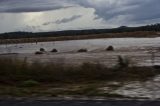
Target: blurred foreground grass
20	78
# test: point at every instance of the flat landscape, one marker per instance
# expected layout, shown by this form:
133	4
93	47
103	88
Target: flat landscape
140	52
79	53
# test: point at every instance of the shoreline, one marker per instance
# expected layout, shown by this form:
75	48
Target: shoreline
139	34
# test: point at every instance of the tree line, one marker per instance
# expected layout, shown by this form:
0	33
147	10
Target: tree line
17	35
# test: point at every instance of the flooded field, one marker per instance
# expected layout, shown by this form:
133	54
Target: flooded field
138	50
91	44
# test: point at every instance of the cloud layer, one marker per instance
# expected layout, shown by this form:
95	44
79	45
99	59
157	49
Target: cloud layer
134	10
111	12
125	10
15	6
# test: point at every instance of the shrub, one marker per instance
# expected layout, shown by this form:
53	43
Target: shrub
123	62
42	49
38	52
110	48
54	50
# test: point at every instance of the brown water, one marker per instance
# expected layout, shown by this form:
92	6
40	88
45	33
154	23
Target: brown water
138	50
91	45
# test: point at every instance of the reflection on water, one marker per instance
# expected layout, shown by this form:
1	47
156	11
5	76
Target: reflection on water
149	89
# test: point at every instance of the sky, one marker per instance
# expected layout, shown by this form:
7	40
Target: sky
55	15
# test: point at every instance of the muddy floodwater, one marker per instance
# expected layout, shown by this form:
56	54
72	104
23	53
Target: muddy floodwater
138	50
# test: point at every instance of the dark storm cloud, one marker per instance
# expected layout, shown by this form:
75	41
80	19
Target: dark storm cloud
34	9
16	6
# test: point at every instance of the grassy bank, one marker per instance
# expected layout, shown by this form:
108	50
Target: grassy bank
17	71
137	34
19	78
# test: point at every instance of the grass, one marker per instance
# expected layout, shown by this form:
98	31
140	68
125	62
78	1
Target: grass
54	91
20	78
16	71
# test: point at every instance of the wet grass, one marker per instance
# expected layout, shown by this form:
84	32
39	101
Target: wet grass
60	90
13	71
20	78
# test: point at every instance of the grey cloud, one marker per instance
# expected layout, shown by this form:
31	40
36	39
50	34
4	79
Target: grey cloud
16	6
33	9
132	11
126	11
64	20
31	28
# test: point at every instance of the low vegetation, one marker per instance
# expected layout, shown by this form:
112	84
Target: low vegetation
82	50
42	49
37	39
20	78
39	52
14	71
54	50
18	35
110	48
